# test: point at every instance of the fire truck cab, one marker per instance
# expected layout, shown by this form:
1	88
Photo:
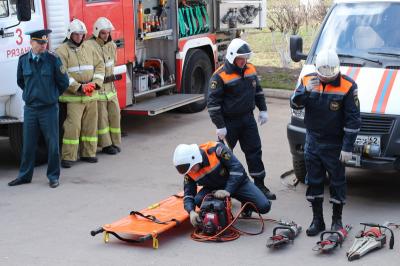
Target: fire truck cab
166	50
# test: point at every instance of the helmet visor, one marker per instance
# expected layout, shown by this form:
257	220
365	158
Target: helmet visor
328	71
183	168
244	56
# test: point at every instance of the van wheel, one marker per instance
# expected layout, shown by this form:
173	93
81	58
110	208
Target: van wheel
15	133
195	77
299	167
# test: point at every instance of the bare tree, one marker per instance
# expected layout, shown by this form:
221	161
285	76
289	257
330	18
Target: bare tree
285	17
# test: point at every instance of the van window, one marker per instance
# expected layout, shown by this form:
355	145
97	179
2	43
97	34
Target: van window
3	8
362	29
13	7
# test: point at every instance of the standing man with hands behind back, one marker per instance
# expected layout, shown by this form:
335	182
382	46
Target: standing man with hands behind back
43	79
86	74
109	123
234	92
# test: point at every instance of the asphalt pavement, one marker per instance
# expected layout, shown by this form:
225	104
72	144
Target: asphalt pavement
44	226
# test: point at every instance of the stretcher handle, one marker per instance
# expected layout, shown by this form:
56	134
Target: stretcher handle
97	231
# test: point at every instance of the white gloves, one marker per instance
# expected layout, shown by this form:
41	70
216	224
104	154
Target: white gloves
221	194
262	117
345	156
221	133
194	218
313	83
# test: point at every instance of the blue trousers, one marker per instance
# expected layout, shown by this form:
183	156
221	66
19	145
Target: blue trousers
244	129
321	158
246	192
44	120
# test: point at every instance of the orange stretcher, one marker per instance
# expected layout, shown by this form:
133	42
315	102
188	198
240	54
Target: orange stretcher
148	223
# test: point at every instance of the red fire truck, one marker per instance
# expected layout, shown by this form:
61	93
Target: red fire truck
167	50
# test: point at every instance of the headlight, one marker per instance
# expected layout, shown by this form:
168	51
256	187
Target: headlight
299	114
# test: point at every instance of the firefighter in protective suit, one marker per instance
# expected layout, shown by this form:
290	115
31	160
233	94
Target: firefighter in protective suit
332	119
213	166
234	91
109	128
86	74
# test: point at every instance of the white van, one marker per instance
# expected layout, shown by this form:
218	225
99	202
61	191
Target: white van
366	36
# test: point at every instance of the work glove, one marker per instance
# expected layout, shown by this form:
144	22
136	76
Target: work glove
221	194
345	156
263	117
88	88
221	133
194	218
312	84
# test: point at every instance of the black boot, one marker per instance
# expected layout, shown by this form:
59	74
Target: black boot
264	189
337	217
317	224
109	150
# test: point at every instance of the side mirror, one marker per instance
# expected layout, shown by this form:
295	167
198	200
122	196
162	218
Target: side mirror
23	10
296	48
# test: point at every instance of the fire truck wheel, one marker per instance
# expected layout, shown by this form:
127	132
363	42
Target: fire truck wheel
15	133
299	167
197	72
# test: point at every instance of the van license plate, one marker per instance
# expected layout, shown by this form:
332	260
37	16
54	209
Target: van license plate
361	140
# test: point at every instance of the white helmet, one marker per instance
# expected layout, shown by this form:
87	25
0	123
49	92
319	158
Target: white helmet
76	26
327	65
102	23
236	48
186	156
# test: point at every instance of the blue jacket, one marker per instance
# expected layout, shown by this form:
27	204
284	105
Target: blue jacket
332	111
220	169
233	92
42	82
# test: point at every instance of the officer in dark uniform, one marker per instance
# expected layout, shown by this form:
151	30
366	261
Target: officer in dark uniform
43	79
234	92
213	166
332	119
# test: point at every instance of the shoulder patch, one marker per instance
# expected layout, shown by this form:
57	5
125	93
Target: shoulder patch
213	85
63	69
186	179
222	152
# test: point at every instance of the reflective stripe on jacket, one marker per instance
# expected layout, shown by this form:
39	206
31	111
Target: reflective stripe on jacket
234	92
332	111
108	53
83	65
220	169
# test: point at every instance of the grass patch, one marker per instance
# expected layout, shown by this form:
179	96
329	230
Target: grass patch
267	59
278	78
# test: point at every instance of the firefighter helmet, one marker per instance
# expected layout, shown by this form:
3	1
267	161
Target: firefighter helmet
327	65
76	26
186	156
236	48
102	23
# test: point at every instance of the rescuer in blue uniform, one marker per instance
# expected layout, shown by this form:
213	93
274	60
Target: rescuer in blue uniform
43	79
234	92
332	119
214	167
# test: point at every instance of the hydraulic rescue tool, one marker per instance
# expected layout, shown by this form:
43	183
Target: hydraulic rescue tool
369	240
332	239
284	233
217	220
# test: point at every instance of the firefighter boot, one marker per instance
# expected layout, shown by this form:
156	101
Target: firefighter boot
337	217
264	189
109	150
317	224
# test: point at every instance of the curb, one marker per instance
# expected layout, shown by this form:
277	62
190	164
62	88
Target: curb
277	93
